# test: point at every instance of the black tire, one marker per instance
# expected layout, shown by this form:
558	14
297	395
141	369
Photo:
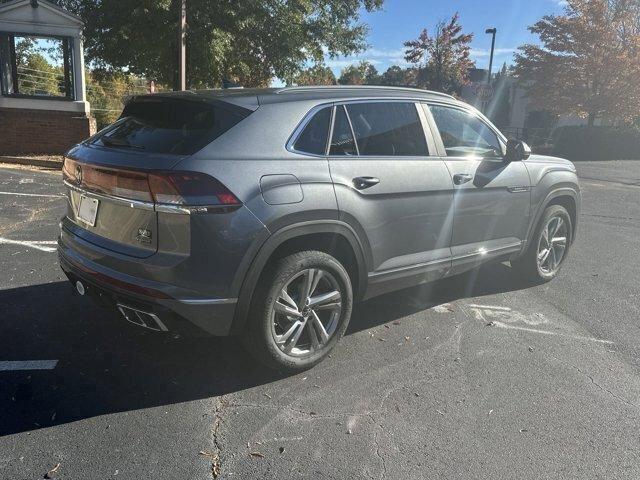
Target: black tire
527	266
258	337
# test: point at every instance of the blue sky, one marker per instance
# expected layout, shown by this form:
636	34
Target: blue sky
401	20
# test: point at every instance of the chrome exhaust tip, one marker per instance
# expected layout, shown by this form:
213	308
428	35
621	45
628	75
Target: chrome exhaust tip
80	288
141	318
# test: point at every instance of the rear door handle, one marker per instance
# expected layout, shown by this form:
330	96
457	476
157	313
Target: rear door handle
460	178
365	182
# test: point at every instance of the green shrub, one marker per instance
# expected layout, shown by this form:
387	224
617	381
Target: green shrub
597	143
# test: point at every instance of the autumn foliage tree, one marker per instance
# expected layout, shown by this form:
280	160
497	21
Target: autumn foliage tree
588	62
315	75
443	59
245	41
363	73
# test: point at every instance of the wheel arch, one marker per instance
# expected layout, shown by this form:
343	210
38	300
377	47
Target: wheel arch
330	236
567	197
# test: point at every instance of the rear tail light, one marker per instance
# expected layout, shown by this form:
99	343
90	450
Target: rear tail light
188	188
184	189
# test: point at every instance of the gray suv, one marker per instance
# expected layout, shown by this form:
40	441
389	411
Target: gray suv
267	213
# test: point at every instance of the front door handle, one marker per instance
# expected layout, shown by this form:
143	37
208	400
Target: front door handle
460	178
365	182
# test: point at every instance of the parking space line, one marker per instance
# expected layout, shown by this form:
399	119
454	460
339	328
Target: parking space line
33	194
18	365
37	244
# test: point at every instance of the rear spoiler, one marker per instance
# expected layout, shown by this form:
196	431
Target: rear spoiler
239	98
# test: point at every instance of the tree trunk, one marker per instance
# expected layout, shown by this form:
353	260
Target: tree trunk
176	43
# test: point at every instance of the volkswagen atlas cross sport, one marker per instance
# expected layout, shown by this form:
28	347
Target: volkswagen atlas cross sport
267	213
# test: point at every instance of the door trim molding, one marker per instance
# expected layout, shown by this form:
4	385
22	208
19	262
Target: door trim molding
490	251
408	268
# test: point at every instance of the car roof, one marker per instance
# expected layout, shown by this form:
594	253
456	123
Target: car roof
252	98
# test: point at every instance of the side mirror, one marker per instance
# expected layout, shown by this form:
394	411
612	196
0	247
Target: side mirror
517	150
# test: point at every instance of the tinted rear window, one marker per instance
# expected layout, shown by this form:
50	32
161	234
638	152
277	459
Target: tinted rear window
313	138
170	126
384	129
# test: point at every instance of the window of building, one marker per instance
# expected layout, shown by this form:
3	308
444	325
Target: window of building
464	134
313	138
388	129
35	66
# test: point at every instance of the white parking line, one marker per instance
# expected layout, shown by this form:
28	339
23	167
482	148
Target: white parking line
37	244
33	194
28	365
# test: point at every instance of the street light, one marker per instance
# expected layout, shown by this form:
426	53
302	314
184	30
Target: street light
492	31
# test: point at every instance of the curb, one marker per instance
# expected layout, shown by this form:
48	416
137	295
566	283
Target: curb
33	162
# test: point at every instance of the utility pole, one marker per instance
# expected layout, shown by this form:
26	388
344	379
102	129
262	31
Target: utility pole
492	31
182	48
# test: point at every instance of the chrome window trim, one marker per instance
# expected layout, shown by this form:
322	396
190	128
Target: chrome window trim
307	118
420	119
293	138
470	111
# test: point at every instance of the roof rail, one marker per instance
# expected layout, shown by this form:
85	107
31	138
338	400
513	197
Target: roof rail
316	88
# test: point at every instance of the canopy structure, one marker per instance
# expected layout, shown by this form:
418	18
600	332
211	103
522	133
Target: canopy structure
42	80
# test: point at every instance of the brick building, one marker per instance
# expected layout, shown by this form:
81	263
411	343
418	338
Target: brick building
43	106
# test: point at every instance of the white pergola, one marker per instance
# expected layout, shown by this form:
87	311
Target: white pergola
43	19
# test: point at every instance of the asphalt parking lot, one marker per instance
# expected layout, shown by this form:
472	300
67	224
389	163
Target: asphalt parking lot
479	376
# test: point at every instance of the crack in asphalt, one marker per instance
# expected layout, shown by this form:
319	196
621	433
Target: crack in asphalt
609	217
632	183
589	376
216	464
378	447
606	390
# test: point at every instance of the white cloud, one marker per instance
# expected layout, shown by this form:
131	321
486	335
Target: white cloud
382	58
375	56
485	52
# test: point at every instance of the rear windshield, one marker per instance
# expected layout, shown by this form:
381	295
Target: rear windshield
169	125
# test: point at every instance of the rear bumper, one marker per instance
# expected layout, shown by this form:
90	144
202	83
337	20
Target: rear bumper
178	309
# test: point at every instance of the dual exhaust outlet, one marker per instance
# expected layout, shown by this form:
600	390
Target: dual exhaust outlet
133	315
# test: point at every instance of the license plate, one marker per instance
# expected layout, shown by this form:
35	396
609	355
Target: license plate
88	210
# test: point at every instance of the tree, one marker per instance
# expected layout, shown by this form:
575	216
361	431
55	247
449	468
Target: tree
364	73
588	62
499	108
108	91
443	60
399	77
242	40
36	75
315	75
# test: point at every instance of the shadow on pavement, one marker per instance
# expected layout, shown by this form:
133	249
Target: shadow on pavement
106	365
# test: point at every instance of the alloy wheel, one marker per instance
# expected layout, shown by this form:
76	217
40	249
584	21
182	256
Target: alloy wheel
306	313
552	245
